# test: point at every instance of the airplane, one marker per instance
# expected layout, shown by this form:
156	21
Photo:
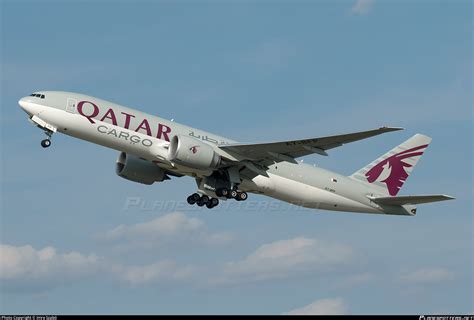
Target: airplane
152	149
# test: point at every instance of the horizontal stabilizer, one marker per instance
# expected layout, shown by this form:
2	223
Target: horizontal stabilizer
402	200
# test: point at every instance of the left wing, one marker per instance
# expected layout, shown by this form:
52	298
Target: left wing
298	148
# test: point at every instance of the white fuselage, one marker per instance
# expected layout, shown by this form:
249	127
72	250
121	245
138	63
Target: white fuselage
146	136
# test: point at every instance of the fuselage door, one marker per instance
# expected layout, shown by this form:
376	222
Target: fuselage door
71	105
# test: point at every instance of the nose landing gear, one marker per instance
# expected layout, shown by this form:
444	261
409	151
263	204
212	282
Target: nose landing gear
47	142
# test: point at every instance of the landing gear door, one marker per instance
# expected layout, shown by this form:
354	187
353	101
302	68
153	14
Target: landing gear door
71	105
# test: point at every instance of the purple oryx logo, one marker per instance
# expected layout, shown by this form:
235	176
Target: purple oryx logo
194	149
394	169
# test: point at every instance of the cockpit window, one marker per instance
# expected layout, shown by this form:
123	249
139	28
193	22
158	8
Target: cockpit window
37	95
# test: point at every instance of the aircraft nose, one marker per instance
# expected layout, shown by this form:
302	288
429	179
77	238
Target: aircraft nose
25	105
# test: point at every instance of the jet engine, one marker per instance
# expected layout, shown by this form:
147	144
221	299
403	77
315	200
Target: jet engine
193	153
139	170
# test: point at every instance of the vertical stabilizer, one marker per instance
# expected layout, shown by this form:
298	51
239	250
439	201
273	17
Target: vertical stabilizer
390	171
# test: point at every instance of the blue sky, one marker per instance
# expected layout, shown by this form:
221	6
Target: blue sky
76	238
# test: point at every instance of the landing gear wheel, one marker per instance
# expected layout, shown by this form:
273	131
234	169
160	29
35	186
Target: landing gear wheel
191	200
45	143
200	202
195	197
209	205
213	202
233	194
241	196
222	192
205	199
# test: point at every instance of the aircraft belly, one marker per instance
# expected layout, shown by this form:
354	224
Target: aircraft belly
306	195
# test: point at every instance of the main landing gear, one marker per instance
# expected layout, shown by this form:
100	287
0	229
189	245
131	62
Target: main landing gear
232	194
210	203
203	201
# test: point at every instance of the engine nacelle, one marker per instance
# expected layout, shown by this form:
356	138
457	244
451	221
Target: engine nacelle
193	153
138	170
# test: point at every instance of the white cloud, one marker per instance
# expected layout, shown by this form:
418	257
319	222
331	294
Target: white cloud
159	272
169	225
427	276
336	306
362	7
284	258
169	229
30	269
26	266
